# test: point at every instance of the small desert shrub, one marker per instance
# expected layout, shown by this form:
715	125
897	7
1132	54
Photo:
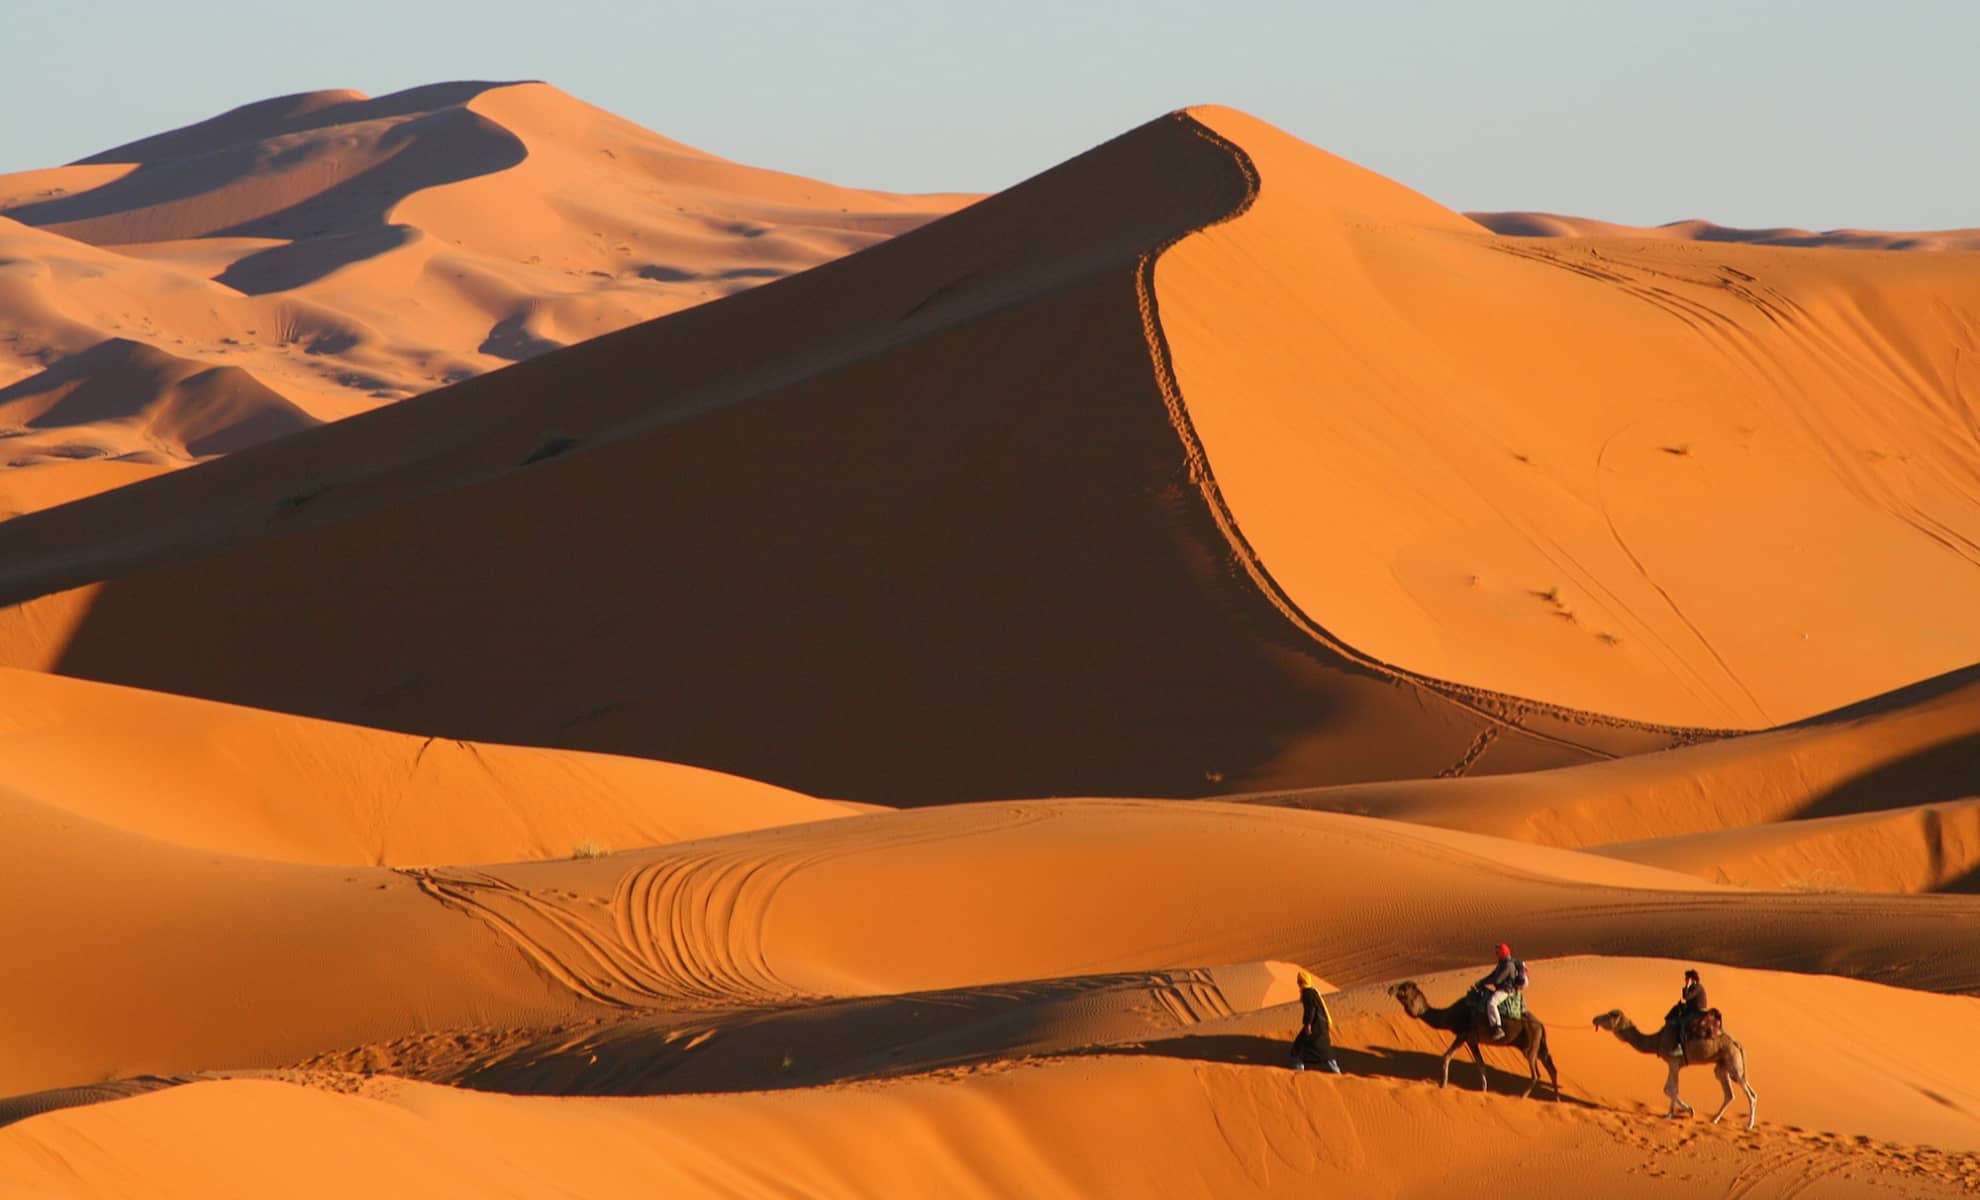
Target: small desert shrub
588	849
551	446
295	500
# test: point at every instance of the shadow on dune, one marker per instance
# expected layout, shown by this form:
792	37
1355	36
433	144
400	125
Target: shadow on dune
352	162
549	1078
182	403
33	1104
1966	885
1949	770
298	113
1387	1062
112	380
917	526
279	268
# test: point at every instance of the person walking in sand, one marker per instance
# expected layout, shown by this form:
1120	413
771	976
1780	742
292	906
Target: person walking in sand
1315	1040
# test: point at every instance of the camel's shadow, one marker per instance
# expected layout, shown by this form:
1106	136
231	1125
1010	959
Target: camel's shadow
1385	1062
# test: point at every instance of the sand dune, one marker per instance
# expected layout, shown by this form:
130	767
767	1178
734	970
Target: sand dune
1129	1118
1045	668
161	959
333	252
58	482
1683	483
1809	1040
1738	559
874	905
810	910
147	405
1873	797
1078	1128
1539	224
1922	848
270	786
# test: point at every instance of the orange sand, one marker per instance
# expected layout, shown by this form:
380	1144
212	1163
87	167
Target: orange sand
318	255
1606	593
244	782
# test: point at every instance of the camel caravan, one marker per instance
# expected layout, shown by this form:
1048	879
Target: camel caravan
1493	1012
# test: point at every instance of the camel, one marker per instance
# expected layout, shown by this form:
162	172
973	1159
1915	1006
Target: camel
1725	1055
1467	1026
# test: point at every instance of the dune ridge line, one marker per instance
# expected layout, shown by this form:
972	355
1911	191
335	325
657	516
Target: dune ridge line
1501	709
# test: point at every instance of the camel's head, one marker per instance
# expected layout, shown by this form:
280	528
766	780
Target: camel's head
1609	1020
1411	997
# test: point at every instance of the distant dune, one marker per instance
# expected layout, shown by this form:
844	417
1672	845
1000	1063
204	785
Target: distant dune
327	253
1539	224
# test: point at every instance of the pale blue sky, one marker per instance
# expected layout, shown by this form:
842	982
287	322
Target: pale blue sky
1816	113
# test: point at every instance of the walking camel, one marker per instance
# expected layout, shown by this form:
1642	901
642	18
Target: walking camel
1720	1050
1468	1026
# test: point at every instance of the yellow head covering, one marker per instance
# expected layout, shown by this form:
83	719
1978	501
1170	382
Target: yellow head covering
1307	981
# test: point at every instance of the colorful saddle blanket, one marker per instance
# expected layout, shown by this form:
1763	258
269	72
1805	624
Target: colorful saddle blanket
1701	1027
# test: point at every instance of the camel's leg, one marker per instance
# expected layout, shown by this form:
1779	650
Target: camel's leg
1671	1089
1532	1064
1484	1083
1725	1085
1752	1104
1455	1043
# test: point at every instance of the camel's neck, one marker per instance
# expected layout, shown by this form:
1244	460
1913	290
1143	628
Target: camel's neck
1451	1018
1639	1041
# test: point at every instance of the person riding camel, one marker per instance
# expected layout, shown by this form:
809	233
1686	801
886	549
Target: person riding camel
1315	1041
1505	979
1691	1003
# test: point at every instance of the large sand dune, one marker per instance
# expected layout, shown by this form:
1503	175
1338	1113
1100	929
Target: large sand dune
327	253
1693	483
1725	488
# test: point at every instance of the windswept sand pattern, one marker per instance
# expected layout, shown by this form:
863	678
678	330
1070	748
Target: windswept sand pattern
682	930
675	932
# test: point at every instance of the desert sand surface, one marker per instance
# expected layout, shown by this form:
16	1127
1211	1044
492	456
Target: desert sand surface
58	483
1878	796
267	785
904	728
308	257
